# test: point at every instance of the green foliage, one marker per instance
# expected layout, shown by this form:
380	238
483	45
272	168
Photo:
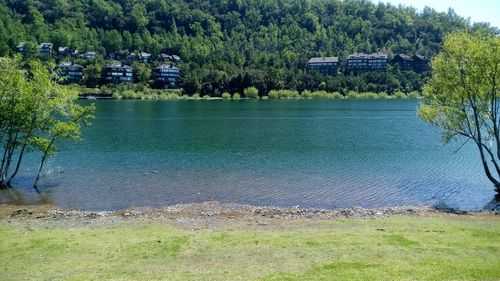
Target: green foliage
462	97
320	95
236	96
283	94
226	95
230	46
251	93
35	113
142	72
414	95
138	91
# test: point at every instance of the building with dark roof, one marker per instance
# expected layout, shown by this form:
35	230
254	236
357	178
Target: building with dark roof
366	62
46	49
118	73
63	51
70	72
144	57
405	62
167	75
169	58
421	63
325	65
88	55
139	57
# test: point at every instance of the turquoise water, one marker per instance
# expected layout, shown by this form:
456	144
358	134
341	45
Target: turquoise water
320	154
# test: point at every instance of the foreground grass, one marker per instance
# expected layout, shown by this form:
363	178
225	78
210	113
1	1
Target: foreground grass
438	247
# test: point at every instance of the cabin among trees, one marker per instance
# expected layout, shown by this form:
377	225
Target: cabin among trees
46	49
167	76
325	65
416	63
361	62
70	72
118	73
405	62
421	63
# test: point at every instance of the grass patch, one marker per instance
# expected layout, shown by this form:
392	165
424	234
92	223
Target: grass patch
440	247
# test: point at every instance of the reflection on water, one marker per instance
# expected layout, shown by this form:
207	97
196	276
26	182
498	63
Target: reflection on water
321	154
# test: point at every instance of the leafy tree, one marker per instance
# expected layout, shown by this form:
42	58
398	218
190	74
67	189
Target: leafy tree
35	113
251	93
142	72
462	97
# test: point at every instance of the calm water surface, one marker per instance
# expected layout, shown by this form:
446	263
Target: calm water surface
321	154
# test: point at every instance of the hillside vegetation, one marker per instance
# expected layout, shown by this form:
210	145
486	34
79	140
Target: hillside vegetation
229	45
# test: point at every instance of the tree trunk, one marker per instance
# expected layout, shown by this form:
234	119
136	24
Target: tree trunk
9	182
42	162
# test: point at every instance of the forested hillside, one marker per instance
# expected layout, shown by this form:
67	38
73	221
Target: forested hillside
228	45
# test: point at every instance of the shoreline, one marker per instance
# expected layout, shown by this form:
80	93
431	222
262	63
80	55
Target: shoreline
215	241
213	214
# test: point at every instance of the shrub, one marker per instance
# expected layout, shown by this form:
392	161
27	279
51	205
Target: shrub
283	94
414	95
320	95
195	96
400	95
226	96
236	96
251	93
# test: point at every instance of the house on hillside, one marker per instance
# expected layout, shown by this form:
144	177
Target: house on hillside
377	62
169	58
421	63
88	55
21	47
118	73
144	57
46	49
356	62
167	75
325	65
359	62
70	71
63	51
405	62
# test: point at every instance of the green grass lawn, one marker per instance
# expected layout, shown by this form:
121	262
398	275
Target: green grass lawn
438	247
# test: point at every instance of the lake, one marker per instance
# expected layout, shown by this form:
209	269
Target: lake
311	153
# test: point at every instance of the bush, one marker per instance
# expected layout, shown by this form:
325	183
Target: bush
195	96
283	94
226	96
400	95
320	95
251	93
414	95
365	95
236	96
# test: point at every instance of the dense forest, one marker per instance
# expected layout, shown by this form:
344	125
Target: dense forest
229	45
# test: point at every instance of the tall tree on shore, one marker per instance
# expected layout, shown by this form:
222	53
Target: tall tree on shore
463	99
35	112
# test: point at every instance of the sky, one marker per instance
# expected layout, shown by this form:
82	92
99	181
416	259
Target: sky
476	10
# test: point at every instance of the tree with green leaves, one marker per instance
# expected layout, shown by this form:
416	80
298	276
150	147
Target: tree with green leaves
35	113
462	97
251	93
